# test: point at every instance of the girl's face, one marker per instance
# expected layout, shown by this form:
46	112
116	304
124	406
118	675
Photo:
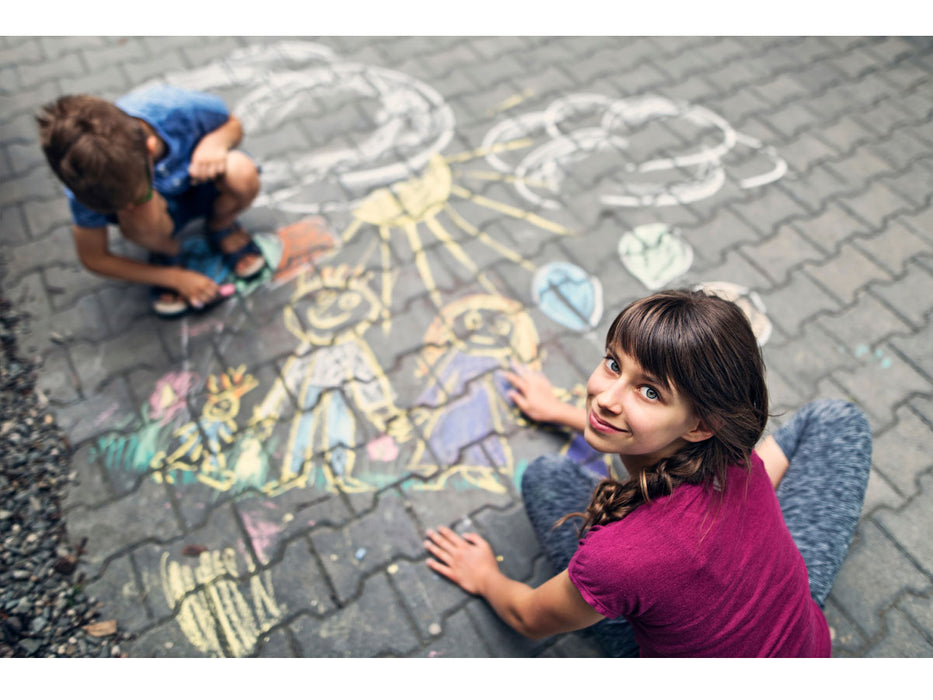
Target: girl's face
634	415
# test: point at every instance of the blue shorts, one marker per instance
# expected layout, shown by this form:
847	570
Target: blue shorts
193	203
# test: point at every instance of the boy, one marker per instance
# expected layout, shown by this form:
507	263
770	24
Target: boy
150	163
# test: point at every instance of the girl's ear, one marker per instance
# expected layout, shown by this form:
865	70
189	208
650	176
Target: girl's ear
700	433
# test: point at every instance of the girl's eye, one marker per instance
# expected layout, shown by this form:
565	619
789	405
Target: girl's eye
612	365
649	393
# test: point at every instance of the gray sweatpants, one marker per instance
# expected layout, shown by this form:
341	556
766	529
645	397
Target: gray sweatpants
828	443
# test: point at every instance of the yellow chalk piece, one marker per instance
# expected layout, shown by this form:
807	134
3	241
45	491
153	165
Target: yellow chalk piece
499	558
392	569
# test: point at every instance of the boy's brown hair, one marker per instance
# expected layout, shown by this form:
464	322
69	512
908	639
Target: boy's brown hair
96	149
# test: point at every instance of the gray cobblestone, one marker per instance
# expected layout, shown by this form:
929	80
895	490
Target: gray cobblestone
840	248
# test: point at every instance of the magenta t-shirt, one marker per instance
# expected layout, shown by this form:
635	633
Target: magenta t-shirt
699	575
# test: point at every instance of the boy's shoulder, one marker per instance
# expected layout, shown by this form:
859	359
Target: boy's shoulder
167	97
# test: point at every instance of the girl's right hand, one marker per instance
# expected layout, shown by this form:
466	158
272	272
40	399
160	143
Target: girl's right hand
533	394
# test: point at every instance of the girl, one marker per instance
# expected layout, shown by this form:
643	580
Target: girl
694	554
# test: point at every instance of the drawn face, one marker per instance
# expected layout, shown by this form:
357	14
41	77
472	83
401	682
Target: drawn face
484	331
634	415
336	310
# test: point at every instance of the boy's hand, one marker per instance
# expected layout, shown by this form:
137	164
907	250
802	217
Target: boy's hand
209	159
199	290
468	561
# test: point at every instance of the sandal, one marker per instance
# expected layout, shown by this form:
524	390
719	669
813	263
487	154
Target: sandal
166	302
233	259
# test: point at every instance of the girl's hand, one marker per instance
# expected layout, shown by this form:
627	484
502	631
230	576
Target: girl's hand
468	561
534	395
209	160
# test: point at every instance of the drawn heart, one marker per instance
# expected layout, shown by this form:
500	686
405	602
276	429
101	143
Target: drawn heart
655	254
568	295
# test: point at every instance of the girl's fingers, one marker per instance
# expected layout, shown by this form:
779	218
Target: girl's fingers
438	552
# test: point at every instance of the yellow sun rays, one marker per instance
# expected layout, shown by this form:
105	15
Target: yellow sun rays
406	205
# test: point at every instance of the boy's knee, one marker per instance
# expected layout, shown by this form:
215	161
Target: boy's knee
242	176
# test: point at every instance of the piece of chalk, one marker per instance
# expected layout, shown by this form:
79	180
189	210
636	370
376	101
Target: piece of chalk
226	290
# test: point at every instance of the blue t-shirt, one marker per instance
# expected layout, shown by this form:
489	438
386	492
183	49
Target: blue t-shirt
181	118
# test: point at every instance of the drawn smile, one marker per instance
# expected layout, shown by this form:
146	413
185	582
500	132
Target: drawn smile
601	426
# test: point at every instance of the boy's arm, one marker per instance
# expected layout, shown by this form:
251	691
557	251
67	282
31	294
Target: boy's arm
209	158
94	253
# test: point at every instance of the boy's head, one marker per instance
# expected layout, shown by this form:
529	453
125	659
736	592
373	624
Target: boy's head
97	150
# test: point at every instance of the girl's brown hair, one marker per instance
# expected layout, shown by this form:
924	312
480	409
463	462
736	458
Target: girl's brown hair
96	149
704	347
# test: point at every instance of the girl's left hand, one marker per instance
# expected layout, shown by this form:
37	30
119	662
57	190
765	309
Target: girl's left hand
468	561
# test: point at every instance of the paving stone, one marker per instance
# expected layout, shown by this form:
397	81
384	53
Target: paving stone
845	133
910	526
299	583
164	641
881	383
123	524
429	598
90	487
807	358
372	625
876	205
893	247
830	227
785	251
846	273
903	640
840	249
846	639
460	640
789	306
368	544
873	576
122	598
275	645
66	66
909	294
880	493
865	323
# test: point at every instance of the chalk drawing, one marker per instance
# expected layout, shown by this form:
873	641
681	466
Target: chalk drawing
405	206
655	254
748	301
286	80
202	444
332	369
212	611
655	166
568	295
464	406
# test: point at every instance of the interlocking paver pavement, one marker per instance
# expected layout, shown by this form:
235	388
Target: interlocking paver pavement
250	484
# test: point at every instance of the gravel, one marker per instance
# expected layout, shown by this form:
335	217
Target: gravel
43	607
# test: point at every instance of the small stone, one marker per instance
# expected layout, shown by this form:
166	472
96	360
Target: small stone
434	629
